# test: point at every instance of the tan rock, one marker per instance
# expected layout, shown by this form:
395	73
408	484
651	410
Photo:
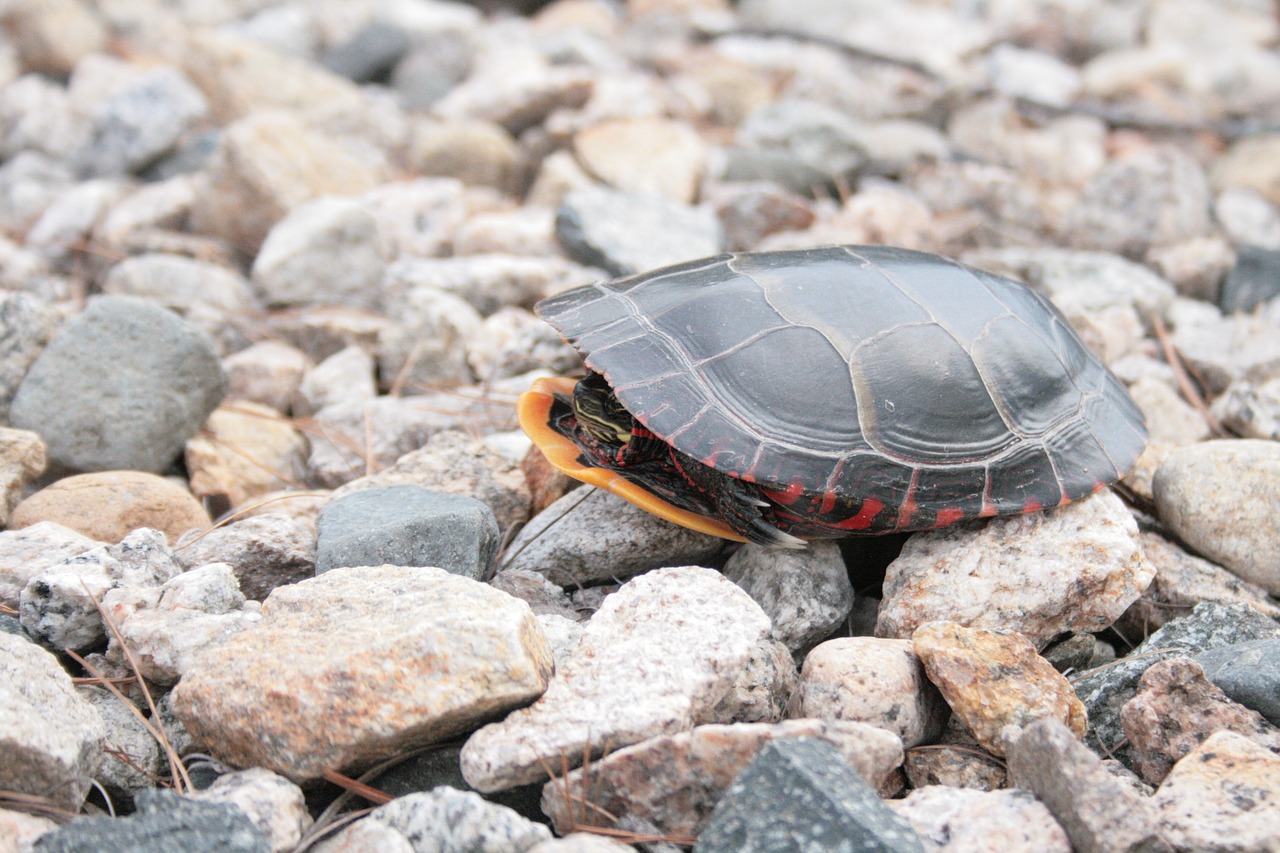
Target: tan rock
22	459
645	155
51	35
244	451
108	505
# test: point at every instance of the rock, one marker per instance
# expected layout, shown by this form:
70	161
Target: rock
266	165
140	123
513	341
274	804
264	552
960	765
1247	672
1197	266
869	680
542	596
517	95
625	233
763	686
519	233
456	464
1247	218
654	660
448	819
801	794
26	552
50	36
479	153
121	386
820	139
1250	411
1209	625
995	680
267	373
22	460
60	605
245	450
598	536
1078	567
52	738
967	819
1175	710
26	325
29	183
1098	810
455	651
21	829
1173	421
109	505
183	285
581	842
347	375
1222	797
167	629
675	781
488	281
69	219
427	350
368	53
749	212
407	525
164	820
649	155
1222	350
325	250
806	594
1215	496
131	759
1251	163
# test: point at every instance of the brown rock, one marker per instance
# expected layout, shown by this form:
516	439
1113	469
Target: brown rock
51	35
547	483
243	451
1223	797
673	782
22	459
108	505
953	766
993	680
644	154
1176	709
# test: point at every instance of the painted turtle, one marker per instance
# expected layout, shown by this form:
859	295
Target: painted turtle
777	397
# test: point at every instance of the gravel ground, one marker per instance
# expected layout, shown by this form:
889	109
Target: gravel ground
272	265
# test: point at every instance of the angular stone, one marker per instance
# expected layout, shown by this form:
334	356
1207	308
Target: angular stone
22	460
268	373
995	680
955	766
764	684
1175	710
26	552
870	680
675	781
1078	568
1100	813
407	525
275	805
121	386
806	594
426	349
1224	797
346	375
801	795
645	154
654	660
109	505
982	820
448	819
131	759
244	451
454	651
141	122
50	736
27	324
264	551
1249	673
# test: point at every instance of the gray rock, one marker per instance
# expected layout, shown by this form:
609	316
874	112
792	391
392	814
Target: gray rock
268	372
1209	626
29	182
345	376
802	795
806	594
1255	279
51	737
1247	218
142	122
121	386
132	760
820	137
1249	410
27	324
369	53
274	804
163	823
264	551
626	233
427	348
26	552
487	280
447	819
433	66
1247	672
407	525
1222	350
180	284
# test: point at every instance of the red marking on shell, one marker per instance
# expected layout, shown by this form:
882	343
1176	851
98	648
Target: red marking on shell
869	510
1032	506
949	515
787	496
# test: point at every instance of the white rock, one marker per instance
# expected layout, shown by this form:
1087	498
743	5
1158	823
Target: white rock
27	552
806	594
274	804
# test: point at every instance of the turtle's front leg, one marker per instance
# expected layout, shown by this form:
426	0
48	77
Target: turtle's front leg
737	503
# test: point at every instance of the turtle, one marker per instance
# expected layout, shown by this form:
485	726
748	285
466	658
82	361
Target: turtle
780	397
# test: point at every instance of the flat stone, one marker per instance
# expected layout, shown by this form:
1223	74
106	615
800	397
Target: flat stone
1216	495
448	819
990	820
654	660
645	154
995	680
52	737
1248	673
244	451
267	373
108	505
406	525
801	794
1100	812
121	386
806	594
455	651
870	680
180	284
1078	568
1223	797
674	781
1175	710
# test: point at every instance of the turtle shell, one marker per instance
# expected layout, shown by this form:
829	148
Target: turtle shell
912	389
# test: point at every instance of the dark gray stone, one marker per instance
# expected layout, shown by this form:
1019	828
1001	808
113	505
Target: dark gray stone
164	822
1255	279
369	54
121	386
407	526
142	123
801	795
1210	625
1249	673
626	233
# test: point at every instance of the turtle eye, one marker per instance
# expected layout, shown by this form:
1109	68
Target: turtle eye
599	412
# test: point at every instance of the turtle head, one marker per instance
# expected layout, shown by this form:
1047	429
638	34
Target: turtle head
599	412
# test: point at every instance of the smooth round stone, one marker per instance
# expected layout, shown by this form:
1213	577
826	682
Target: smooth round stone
109	505
407	526
1220	498
121	386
